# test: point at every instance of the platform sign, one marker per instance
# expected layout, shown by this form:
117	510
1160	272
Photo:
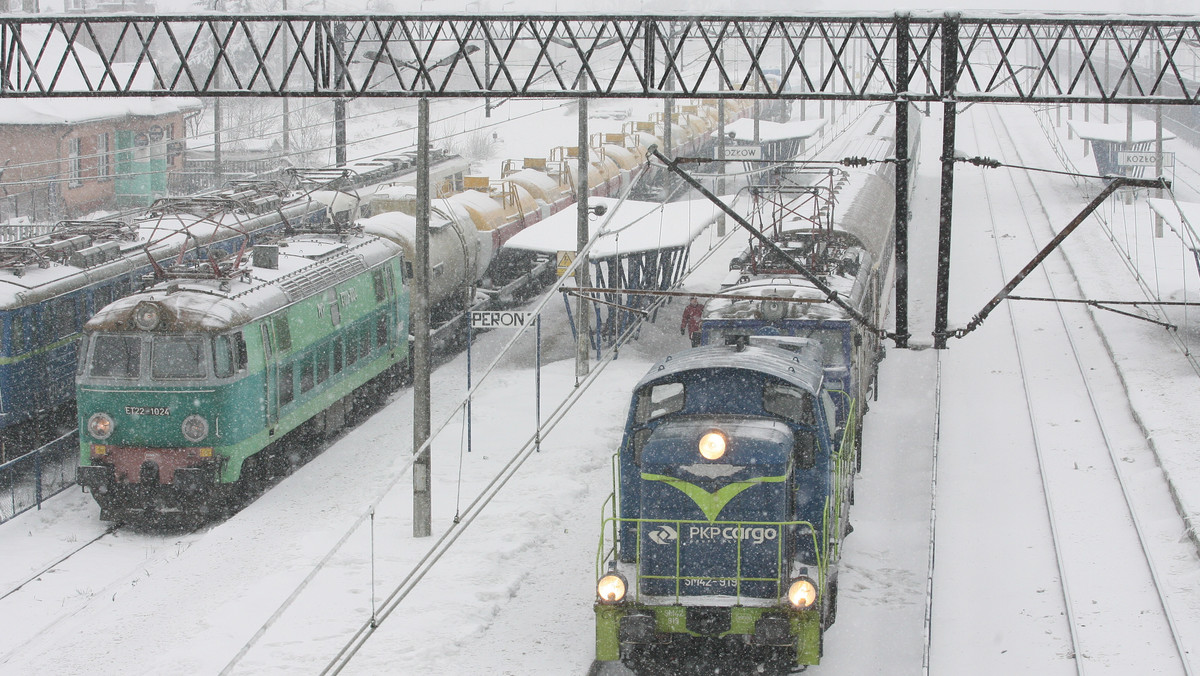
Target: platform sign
739	153
565	258
498	319
1144	158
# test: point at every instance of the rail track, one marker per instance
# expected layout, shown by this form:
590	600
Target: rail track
1104	542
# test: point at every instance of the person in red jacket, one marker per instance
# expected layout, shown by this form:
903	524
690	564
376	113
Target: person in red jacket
690	323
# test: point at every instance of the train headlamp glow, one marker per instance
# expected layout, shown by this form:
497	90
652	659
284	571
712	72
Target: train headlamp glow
802	593
146	316
712	445
100	425
611	588
195	428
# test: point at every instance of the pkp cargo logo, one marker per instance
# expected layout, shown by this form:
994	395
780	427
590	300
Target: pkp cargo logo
663	535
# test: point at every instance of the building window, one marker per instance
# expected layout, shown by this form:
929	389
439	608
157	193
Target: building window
103	156
75	162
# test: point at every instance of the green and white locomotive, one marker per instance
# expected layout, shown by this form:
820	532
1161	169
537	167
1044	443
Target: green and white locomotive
182	387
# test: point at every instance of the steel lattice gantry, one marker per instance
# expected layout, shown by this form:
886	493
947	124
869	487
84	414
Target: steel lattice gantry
944	58
1046	58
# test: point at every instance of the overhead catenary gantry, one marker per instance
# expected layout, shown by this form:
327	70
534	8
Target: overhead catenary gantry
950	59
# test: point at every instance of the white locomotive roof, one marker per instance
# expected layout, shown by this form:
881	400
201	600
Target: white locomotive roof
794	367
31	282
634	227
866	207
308	264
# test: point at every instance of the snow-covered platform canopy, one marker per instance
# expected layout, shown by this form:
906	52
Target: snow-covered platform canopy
1182	217
1143	131
635	227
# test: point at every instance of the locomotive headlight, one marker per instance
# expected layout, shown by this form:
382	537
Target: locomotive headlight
611	588
100	425
146	316
712	445
195	428
802	594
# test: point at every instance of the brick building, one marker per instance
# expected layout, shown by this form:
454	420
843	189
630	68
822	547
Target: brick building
63	158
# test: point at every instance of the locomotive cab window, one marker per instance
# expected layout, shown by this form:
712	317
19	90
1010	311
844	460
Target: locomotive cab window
116	356
283	333
830	414
177	358
659	400
229	355
788	402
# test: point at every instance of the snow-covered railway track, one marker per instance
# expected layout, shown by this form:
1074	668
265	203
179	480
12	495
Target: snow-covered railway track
1106	505
95	571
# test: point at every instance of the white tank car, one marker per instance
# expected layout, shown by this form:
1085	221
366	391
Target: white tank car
458	252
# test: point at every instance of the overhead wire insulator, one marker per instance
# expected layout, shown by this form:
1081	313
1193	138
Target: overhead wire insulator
983	162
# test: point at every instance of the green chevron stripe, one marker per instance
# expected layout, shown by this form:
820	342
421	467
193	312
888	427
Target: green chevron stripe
712	503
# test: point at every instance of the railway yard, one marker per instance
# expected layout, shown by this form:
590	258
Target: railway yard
1026	500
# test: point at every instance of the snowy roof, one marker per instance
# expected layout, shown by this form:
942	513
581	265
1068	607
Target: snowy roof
1143	131
635	226
61	111
1182	217
743	129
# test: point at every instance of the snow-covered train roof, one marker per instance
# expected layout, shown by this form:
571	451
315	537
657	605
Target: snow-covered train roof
743	129
866	208
803	369
307	265
744	301
634	227
98	259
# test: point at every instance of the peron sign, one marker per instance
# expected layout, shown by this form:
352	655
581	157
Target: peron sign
495	319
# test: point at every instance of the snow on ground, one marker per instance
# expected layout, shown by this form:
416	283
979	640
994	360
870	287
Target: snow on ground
514	594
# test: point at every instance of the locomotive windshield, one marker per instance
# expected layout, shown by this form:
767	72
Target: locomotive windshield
177	358
787	401
116	357
659	400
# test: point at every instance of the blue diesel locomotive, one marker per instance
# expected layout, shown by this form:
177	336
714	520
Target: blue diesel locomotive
732	495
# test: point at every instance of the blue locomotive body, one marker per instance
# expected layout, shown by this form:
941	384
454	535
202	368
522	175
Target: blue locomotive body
730	507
